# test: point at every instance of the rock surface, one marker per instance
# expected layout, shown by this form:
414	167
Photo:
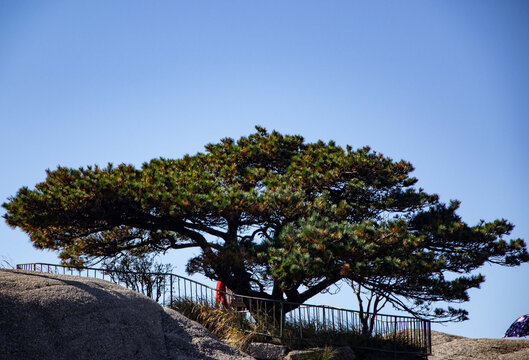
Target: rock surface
344	353
339	353
451	347
48	316
266	351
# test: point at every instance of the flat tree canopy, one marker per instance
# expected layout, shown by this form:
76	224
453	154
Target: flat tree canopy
274	217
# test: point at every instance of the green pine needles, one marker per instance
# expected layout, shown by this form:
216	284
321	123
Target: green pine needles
274	217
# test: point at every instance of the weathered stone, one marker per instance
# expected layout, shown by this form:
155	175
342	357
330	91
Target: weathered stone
461	348
265	351
343	353
60	317
300	354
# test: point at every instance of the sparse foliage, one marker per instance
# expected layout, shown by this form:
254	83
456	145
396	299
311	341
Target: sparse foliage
140	273
6	263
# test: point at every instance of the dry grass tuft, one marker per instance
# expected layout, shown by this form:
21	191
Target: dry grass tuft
223	323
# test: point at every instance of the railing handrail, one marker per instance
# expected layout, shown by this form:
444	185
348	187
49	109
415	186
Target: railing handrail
407	323
234	294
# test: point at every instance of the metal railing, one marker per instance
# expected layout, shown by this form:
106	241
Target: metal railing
313	323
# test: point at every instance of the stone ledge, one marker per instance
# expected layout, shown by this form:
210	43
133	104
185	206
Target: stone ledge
266	351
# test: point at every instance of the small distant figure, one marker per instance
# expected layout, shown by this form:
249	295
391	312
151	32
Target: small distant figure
227	298
220	297
519	328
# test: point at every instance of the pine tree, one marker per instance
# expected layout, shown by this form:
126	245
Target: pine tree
274	217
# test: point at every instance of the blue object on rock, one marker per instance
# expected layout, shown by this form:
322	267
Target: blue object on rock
519	328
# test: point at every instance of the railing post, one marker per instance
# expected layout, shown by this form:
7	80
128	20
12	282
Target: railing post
332	316
324	324
282	321
171	289
395	335
427	337
179	296
300	324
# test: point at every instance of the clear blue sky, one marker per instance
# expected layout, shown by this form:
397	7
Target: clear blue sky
442	84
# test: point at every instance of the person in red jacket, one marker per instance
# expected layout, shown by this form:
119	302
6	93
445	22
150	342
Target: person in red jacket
220	297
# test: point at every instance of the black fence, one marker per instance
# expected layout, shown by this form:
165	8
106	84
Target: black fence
306	323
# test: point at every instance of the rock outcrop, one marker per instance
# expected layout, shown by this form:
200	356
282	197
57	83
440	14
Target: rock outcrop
451	347
46	316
